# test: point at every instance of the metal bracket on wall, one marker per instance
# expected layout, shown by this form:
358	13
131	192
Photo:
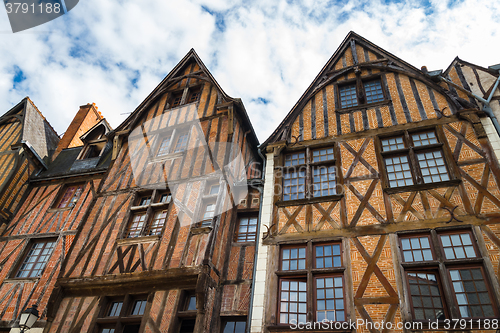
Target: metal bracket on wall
452	214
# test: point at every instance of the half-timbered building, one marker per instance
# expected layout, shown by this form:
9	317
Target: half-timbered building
27	143
381	201
34	244
168	244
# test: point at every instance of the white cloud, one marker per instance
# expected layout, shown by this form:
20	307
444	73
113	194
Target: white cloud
115	52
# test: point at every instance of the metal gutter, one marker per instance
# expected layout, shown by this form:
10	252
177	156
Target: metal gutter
486	102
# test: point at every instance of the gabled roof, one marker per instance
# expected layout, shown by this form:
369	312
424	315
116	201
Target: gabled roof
328	70
173	77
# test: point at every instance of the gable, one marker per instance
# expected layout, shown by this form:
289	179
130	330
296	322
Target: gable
406	95
187	93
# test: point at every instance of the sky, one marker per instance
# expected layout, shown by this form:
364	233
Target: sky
266	52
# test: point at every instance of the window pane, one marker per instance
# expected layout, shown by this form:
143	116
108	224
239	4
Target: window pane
293	258
135	226
394	143
176	99
322	155
208	215
294	185
423	139
214	189
327	256
193	96
138	308
164	145
181	143
348	96
293	302
158	223
324	182
470	292
192	303
416	249
398	171
35	260
425	295
329	299
432	166
295	159
115	309
70	197
373	91
235	327
458	246
247	231
144	201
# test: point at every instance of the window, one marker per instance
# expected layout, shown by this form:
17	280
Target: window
122	315
158	222
35	260
149	215
208	215
351	96
422	256
323	179
316	269
70	196
145	200
164	146
181	143
414	158
213	189
194	95
136	225
187	313
234	325
247	229
174	142
176	99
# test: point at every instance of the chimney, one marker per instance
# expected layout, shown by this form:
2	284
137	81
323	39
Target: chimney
86	118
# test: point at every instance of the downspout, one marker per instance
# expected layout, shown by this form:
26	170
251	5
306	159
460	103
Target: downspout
486	102
261	190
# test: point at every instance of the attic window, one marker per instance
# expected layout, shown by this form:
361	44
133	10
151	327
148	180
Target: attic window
176	99
359	93
194	95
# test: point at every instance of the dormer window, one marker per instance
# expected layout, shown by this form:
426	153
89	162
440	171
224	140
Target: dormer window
95	141
91	151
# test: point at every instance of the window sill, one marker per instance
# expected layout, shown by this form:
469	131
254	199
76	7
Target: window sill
298	202
201	230
137	240
22	280
420	264
166	157
187	314
250	243
421	187
364	106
